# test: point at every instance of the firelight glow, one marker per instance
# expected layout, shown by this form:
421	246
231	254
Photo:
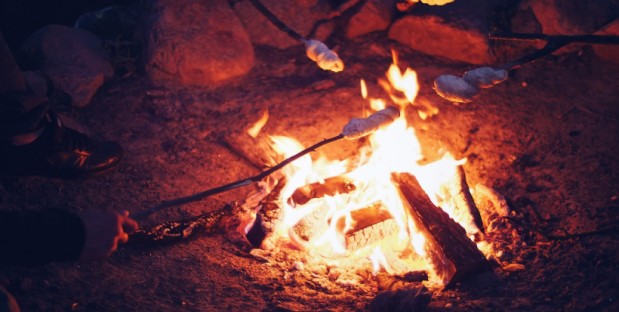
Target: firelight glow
328	223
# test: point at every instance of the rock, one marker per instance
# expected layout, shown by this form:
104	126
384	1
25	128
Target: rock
36	82
300	16
608	52
524	20
115	22
456	31
572	17
73	59
413	299
563	17
194	43
374	15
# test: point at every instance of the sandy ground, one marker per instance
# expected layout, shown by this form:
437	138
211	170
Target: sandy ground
547	139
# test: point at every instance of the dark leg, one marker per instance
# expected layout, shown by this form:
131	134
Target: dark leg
11	78
20	110
34	140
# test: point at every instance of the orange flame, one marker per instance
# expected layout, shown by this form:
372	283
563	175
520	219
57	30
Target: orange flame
327	222
254	130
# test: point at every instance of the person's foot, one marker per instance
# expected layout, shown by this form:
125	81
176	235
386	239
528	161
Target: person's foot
59	152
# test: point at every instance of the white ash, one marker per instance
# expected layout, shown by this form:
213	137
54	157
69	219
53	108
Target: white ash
455	89
360	127
324	57
485	77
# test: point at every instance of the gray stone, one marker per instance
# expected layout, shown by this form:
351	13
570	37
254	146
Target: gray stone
374	15
74	59
457	31
300	16
195	43
562	17
572	17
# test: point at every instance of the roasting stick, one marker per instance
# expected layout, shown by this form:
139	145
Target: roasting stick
464	89
354	129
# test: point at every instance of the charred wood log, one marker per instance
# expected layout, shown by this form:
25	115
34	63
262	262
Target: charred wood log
465	210
374	233
178	231
257	151
268	215
330	187
371	225
491	204
414	298
452	254
466	198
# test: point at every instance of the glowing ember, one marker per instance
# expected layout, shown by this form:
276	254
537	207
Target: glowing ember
369	219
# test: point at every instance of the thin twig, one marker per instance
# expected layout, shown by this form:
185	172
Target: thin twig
567	235
586	109
597	39
605	231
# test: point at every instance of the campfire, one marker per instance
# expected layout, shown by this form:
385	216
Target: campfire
386	208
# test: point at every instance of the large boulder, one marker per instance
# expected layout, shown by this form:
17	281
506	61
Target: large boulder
374	15
191	42
74	60
457	31
563	17
572	17
609	52
300	16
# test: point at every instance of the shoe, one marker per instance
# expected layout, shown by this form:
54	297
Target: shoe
59	152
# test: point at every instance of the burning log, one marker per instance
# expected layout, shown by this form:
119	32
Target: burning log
449	250
372	225
330	187
176	231
461	199
374	233
405	299
257	151
493	204
267	216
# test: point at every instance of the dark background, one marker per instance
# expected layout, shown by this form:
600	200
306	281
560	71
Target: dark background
20	18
